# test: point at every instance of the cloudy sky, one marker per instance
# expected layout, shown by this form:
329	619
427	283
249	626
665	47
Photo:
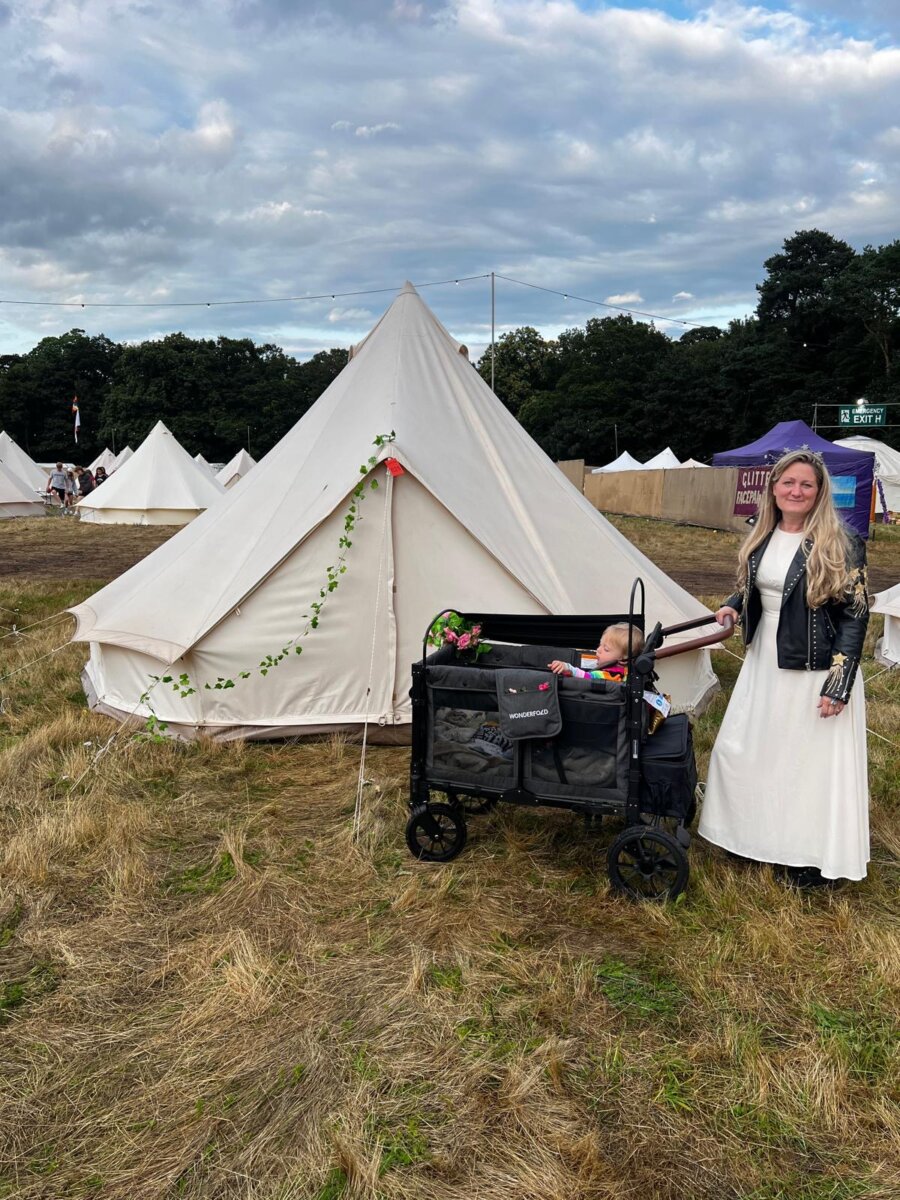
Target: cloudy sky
650	155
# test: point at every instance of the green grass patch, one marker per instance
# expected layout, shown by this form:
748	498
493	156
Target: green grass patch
644	993
449	978
39	981
865	1042
334	1187
403	1147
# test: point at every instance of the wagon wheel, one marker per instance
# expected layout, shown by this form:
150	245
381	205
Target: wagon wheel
472	805
647	864
436	832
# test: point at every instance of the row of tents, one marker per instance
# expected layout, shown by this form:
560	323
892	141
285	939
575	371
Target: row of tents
666	460
157	484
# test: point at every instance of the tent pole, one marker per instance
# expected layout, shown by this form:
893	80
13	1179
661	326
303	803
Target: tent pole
493	313
616	436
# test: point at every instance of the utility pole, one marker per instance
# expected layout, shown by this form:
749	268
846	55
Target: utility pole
493	316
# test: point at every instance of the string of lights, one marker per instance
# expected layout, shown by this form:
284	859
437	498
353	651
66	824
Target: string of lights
337	295
635	312
223	303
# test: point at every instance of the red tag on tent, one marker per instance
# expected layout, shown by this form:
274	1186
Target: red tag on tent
393	466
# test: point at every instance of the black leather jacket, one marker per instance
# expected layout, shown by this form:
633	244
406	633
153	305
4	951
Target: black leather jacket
829	638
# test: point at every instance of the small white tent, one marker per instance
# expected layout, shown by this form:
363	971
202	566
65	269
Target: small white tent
478	518
692	462
625	462
159	485
23	467
201	462
887	468
663	461
888	602
105	459
122	458
17	499
236	469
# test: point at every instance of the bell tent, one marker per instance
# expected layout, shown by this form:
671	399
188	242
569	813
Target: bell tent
159	485
17	499
23	467
236	469
664	461
201	462
625	462
469	512
122	458
887	469
106	459
888	648
851	471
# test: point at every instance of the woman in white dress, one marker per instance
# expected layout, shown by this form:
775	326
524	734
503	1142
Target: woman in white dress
788	779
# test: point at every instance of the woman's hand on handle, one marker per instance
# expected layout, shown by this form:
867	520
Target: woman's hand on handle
727	611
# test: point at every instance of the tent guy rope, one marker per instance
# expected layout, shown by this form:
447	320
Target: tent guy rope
382	554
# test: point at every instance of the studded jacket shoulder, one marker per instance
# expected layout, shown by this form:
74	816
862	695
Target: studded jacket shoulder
828	638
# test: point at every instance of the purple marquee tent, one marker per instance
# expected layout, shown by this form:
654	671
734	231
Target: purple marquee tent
851	471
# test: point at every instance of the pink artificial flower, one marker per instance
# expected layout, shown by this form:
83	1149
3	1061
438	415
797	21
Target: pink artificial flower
463	641
449	635
476	629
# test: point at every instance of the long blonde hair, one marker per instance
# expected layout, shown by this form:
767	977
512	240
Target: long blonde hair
827	576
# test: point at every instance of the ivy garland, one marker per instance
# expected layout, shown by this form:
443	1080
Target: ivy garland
182	683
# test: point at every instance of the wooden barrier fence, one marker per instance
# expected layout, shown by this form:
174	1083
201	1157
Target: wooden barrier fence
690	494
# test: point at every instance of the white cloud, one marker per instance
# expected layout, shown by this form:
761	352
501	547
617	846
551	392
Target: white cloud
367	131
683	296
626	298
349	314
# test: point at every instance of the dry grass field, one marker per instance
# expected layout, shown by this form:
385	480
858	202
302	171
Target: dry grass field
210	990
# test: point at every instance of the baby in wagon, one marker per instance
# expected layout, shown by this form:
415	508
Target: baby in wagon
612	655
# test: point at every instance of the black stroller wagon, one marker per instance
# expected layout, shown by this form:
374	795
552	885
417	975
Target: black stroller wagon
500	726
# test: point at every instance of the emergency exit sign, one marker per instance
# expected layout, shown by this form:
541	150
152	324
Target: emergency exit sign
863	414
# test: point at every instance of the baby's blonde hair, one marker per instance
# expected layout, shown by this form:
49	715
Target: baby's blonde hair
621	634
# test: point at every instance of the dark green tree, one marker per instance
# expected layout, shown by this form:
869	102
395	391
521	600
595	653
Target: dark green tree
523	365
37	390
869	288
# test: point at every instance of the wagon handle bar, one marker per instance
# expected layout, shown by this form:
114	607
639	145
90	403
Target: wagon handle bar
721	635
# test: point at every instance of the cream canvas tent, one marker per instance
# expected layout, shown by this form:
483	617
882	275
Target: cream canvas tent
887	468
17	499
625	462
105	459
692	462
122	458
159	485
23	467
888	602
201	462
480	518
663	461
236	469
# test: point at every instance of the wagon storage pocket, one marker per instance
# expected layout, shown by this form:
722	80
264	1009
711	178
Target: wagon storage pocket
528	703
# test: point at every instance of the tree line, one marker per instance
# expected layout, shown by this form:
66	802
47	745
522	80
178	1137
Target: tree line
826	331
216	395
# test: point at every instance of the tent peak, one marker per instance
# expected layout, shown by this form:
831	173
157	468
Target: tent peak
408	290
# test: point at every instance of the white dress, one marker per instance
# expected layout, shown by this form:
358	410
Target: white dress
785	785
